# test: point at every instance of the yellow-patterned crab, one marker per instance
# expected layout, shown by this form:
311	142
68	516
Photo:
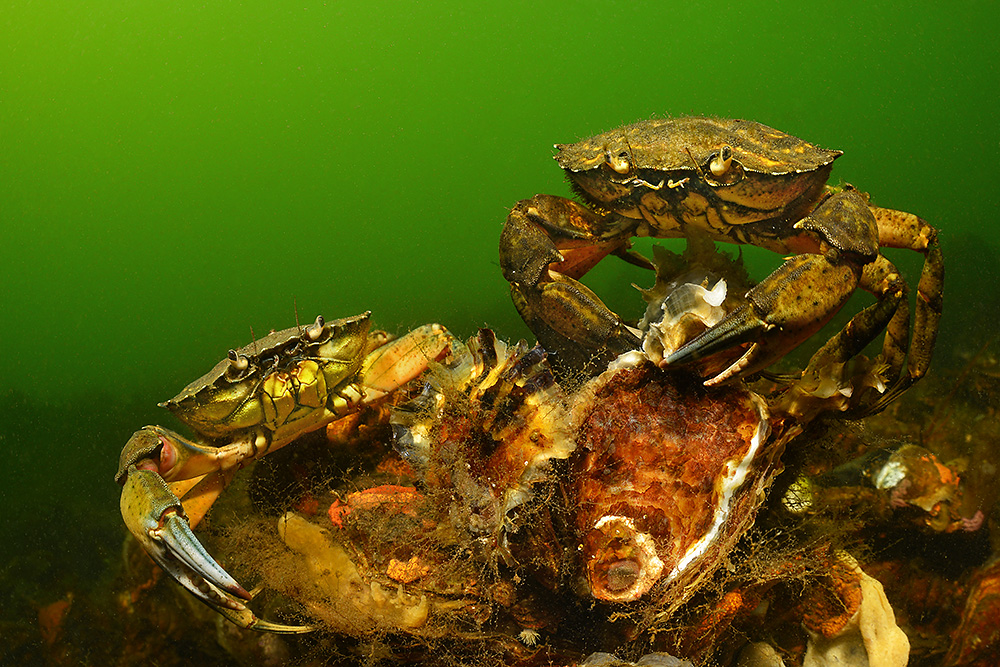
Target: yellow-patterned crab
735	181
258	399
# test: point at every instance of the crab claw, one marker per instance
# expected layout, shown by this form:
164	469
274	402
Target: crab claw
155	516
781	312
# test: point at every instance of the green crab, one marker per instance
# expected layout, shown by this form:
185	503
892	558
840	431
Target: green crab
735	181
256	400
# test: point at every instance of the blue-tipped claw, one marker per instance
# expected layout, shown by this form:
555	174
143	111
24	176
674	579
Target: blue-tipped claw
155	516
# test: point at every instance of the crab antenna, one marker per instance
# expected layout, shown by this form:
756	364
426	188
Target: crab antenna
628	148
694	162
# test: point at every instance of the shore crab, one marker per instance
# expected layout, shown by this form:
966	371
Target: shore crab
734	181
255	401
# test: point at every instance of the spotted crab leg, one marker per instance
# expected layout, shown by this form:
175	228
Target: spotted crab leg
546	244
898	229
803	294
773	320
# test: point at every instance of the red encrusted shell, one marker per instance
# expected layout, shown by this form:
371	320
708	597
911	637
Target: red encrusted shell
668	474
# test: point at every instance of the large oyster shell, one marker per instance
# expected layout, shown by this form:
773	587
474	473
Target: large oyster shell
661	470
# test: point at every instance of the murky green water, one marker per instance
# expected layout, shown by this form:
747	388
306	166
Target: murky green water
175	178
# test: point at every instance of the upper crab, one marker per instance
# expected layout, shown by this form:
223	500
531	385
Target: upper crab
744	171
734	181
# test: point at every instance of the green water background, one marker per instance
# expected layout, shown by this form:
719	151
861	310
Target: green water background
176	175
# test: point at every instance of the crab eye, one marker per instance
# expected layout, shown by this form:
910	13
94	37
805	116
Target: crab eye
721	162
315	330
618	162
238	364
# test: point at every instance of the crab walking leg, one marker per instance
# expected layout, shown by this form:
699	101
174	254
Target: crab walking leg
898	229
180	488
403	359
199	497
883	280
890	313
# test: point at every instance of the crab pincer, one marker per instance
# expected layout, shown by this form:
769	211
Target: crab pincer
156	517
